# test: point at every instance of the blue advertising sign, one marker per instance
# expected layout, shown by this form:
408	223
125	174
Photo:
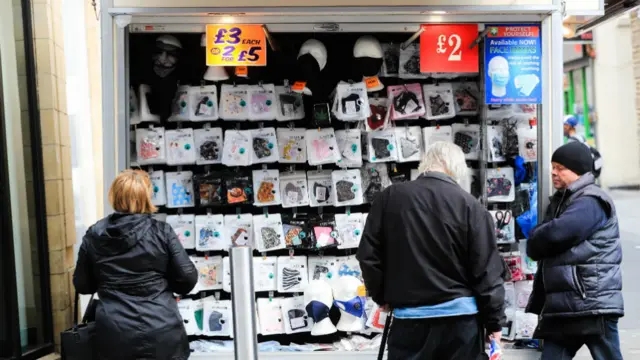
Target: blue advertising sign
513	64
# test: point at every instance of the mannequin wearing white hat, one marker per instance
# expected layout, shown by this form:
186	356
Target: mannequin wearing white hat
312	59
319	298
368	59
352	306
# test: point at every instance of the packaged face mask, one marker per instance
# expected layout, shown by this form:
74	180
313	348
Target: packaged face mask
180	147
468	138
208	189
180	189
350	266
320	188
150	146
414	174
509	297
391	59
440	102
467	98
297	232
295	316
238	148
499	112
268	232
500	185
505	226
382	146
379	118
376	319
323	231
289	104
409	67
239	229
203	102
265	271
180	105
407	101
234	102
351	102
350	149
321	115
323	268
262	102
292	145
159	194
350	227
267	187
184	226
270	314
523	292
434	134
375	178
293	189
210	233
292	274
347	187
239	188
409	143
322	147
210	272
495	137
191	312
208	146
528	143
218	317
264	146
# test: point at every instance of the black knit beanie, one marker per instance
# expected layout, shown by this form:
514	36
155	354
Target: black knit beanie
575	156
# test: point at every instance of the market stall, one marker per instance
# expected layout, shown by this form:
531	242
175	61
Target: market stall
277	127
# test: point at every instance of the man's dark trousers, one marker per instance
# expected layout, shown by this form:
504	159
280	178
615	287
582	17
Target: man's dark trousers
602	347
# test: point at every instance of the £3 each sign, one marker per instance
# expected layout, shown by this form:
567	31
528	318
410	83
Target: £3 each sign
236	45
444	48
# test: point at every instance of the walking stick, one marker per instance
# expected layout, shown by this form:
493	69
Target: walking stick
385	335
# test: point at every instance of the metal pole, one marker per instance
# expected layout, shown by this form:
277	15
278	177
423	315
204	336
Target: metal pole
585	106
245	339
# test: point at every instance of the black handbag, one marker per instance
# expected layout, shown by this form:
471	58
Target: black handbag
77	343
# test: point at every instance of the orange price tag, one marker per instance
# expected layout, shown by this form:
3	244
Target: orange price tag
242	71
362	290
298	86
372	82
236	45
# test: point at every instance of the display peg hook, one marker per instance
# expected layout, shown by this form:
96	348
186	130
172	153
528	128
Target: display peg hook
413	37
479	38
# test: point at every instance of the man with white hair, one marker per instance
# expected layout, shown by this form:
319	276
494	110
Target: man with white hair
429	252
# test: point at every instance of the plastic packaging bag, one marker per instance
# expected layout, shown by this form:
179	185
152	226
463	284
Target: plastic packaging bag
349	147
267	187
203	103
293	189
351	102
237	150
234	102
264	145
180	105
151	147
289	104
262	102
439	101
529	219
292	145
407	101
210	233
208	144
180	147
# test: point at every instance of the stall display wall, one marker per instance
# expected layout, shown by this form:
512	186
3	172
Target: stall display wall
500	143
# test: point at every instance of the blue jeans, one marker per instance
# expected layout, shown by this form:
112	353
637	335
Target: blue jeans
602	347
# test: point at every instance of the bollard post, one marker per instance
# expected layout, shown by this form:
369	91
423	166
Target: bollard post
245	339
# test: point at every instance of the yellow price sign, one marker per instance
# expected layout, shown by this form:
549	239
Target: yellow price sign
236	45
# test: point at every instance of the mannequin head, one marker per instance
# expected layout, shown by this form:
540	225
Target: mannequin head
367	54
352	306
318	298
166	55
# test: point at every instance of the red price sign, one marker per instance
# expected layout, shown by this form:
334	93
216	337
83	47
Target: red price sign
445	48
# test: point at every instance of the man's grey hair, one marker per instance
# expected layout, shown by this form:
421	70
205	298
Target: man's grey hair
445	157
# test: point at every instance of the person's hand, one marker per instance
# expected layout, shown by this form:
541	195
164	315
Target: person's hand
385	308
497	336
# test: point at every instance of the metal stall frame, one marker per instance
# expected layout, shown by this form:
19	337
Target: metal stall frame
117	23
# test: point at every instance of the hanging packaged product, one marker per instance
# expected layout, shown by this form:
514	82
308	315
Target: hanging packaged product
323	268
262	102
234	102
347	187
159	191
350	227
495	137
292	274
180	189
349	265
529	267
267	187
500	111
184	226
150	146
377	319
292	145
409	143
468	138
239	229
500	185
268	233
466	95
440	102
409	63
237	150
525	324
351	102
265	270
210	233
134	108
264	145
398	177
379	118
191	312
349	146
226	274
270	315
203	101
239	188
407	101
323	231
295	316
509	297
504	225
208	144
322	146
523	293
391	59
528	143
180	105
180	147
293	189
414	174
475	184
218	317
434	134
320	188
210	272
297	231
382	146
375	178
289	104
514	263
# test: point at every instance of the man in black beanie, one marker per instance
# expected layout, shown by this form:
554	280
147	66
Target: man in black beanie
578	287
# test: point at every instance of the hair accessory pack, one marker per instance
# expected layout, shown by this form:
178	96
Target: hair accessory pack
208	146
234	102
180	147
292	145
150	146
